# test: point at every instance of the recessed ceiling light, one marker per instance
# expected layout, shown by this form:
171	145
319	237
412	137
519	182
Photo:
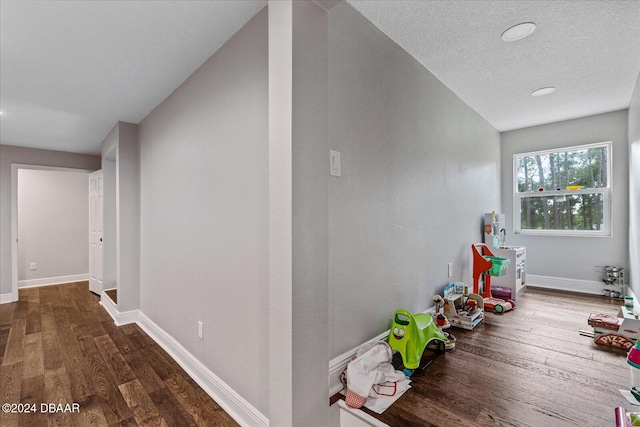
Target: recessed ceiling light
518	32
543	91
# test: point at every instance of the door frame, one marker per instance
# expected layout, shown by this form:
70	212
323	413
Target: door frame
14	215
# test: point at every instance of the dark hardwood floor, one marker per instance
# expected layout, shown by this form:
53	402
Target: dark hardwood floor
528	367
58	345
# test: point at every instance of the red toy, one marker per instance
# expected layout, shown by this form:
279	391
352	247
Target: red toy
485	262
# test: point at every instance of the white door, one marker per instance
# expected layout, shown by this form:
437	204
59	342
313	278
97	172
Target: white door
95	232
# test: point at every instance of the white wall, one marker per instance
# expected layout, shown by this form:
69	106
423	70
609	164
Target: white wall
53	224
204	213
128	217
564	257
634	190
8	155
109	239
419	169
310	176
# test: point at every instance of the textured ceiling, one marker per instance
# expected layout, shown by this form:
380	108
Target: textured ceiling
589	50
69	70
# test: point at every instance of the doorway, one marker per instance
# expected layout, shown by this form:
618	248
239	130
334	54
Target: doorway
39	257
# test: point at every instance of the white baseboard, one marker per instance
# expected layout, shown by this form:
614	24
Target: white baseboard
47	281
350	417
228	399
9	297
564	284
337	364
119	318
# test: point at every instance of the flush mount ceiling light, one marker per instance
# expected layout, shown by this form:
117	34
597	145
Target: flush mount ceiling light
543	91
518	32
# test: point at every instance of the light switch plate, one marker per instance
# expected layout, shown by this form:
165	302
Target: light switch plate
334	163
200	330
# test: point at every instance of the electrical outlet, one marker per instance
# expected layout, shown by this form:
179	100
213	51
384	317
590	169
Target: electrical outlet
200	330
33	266
450	269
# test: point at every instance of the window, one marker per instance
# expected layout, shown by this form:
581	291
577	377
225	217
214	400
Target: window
563	191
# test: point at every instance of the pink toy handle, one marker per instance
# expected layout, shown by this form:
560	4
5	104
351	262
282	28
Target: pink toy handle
621	417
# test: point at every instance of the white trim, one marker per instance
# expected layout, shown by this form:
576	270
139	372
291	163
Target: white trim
228	399
8	297
350	417
337	364
119	318
565	284
14	214
110	307
48	281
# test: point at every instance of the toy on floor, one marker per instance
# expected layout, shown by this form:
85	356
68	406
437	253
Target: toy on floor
501	292
439	303
499	305
486	264
438	312
615	331
470	306
463	310
435	345
625	418
443	323
410	334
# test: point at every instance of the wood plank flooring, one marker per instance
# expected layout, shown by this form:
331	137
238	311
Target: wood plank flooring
58	345
528	367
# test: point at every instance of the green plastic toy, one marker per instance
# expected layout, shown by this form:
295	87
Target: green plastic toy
410	334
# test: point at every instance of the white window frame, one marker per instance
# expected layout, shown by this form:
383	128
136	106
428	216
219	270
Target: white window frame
605	191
